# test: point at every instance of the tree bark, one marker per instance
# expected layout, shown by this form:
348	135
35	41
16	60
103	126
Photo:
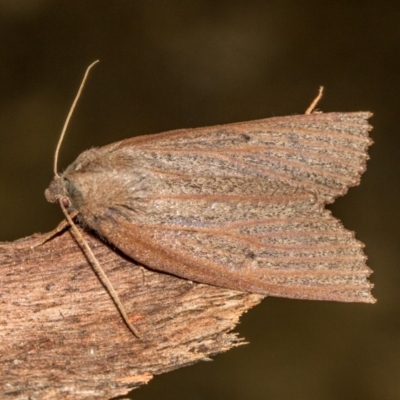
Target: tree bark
62	337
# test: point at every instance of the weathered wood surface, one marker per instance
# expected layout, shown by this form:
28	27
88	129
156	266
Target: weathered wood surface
61	336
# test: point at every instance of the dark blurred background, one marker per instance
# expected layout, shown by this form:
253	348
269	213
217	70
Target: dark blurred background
176	64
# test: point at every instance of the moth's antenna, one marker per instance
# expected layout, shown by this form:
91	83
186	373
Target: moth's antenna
315	101
75	231
64	129
99	271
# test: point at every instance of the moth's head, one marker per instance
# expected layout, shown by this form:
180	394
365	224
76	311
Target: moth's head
55	191
61	189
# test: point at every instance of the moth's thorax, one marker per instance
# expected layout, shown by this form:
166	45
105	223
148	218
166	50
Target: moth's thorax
101	184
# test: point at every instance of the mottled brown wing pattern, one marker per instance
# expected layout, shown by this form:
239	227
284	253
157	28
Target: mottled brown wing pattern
241	206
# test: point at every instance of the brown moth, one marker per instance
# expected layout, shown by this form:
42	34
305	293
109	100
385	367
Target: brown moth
238	206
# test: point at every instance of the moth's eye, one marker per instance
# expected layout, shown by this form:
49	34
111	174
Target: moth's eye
72	194
66	184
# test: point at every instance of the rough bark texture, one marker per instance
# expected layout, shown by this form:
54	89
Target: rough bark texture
61	336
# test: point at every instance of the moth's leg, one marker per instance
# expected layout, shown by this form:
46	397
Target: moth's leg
58	229
40	239
314	103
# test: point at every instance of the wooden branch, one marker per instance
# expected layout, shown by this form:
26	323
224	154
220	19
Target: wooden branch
61	336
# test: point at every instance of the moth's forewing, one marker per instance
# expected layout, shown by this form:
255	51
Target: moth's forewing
323	153
241	205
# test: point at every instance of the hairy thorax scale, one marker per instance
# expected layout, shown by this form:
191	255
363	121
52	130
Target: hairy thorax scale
102	184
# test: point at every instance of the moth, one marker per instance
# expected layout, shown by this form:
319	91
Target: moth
238	206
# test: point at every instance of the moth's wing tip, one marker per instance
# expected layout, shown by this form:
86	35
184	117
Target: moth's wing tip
365	295
368	298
